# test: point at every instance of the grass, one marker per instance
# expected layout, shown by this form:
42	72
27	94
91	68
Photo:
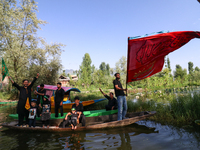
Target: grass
172	108
182	109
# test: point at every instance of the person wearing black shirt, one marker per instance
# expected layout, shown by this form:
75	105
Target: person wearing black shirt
59	95
121	98
79	108
112	102
25	92
40	93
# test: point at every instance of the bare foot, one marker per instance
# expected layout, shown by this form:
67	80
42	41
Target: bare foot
75	127
72	127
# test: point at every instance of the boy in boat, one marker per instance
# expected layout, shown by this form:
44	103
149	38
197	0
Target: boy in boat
32	113
112	102
46	111
74	118
25	94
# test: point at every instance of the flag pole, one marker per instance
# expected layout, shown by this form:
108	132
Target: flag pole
127	69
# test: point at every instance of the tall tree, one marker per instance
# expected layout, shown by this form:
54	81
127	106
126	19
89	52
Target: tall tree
168	64
107	69
102	66
19	27
190	67
179	72
86	70
23	51
93	68
197	69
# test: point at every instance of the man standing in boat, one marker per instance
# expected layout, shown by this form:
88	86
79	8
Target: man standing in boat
40	93
59	95
25	94
121	98
112	102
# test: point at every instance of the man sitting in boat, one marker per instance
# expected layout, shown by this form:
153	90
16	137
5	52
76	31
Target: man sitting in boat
74	118
112	102
79	108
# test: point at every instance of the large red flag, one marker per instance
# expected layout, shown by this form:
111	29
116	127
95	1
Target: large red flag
146	55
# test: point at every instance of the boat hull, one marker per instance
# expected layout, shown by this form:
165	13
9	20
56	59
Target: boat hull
100	122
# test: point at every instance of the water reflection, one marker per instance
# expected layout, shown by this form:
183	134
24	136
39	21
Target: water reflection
119	138
74	141
142	135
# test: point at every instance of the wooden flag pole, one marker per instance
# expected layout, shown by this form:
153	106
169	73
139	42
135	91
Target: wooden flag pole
127	71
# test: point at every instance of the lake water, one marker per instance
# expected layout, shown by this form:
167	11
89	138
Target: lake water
143	135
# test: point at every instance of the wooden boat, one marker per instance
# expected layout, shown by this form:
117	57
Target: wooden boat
98	122
67	104
55	121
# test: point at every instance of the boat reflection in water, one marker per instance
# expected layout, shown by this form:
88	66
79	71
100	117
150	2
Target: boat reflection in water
95	139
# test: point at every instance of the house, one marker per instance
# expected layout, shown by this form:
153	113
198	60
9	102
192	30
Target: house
65	80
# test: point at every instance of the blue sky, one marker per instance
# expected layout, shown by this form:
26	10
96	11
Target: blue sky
101	27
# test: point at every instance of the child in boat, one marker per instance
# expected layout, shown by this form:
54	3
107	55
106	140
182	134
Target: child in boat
32	113
46	111
74	118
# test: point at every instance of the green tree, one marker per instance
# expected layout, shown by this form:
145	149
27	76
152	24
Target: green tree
108	69
93	68
197	69
102	66
179	72
63	73
86	70
190	67
24	52
168	64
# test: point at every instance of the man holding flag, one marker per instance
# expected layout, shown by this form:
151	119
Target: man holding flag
121	98
24	99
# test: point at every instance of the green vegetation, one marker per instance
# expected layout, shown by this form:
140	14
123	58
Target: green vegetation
24	52
179	109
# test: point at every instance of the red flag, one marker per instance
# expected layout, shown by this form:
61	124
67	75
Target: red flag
146	55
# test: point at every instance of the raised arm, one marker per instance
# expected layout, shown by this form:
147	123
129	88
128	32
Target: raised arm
35	78
14	84
42	94
102	92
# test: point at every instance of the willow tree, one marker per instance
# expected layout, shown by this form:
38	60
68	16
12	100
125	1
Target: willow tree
85	71
23	51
